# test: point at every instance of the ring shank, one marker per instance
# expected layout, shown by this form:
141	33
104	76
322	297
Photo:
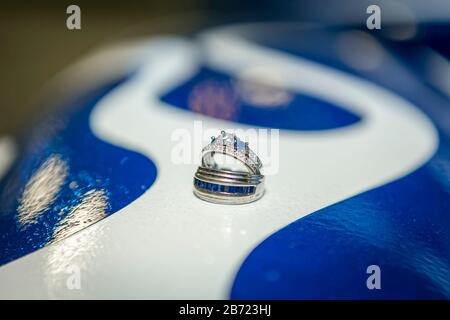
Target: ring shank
227	187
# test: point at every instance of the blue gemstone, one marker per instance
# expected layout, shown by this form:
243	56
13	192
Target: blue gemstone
223	188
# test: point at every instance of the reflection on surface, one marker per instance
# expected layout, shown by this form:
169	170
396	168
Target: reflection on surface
8	153
74	252
65	179
263	86
251	98
405	26
42	189
438	71
92	208
352	45
215	99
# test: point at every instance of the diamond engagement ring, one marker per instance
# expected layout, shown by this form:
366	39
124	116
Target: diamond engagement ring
215	182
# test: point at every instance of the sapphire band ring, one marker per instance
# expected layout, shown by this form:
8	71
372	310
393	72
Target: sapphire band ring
216	183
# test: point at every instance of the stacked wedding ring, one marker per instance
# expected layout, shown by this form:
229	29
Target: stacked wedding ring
219	185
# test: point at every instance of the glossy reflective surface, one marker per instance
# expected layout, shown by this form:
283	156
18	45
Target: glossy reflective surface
257	101
171	245
403	226
65	180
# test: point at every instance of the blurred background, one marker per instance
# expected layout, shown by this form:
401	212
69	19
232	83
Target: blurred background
35	44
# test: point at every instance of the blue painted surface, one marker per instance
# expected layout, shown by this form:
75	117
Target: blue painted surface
301	112
91	164
403	227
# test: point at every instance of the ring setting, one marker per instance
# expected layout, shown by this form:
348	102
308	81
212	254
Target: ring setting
216	183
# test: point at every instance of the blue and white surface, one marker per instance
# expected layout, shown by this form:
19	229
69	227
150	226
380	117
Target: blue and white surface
363	179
